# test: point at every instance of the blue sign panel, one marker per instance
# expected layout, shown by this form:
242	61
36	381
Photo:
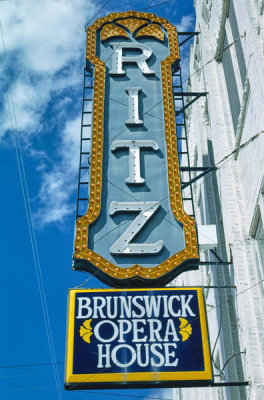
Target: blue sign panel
135	231
137	337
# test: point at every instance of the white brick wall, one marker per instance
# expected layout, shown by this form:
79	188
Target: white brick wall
232	200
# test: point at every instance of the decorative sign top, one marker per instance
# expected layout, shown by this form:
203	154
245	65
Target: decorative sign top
135	231
137	338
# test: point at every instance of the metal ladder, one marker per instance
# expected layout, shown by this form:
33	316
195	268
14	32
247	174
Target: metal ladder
85	145
183	149
182	142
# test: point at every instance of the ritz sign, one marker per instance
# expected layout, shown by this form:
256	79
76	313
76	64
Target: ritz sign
139	337
135	231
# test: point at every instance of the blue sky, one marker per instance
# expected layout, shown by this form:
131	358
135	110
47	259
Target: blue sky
42	47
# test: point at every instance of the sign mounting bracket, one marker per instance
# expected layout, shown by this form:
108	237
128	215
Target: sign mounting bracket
205	171
185	94
189	34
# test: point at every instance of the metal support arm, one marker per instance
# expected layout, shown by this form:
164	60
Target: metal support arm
197	96
189	36
209	169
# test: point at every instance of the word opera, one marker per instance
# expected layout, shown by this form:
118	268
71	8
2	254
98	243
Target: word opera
135	231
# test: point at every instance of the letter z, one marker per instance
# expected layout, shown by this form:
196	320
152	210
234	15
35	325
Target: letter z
123	245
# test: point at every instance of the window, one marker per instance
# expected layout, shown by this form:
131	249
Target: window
234	64
257	232
238	45
231	84
259	237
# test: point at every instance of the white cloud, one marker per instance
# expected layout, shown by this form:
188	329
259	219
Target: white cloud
59	183
27	104
44	43
48	33
186	23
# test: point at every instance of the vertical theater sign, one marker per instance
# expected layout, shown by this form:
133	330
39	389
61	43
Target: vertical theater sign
135	232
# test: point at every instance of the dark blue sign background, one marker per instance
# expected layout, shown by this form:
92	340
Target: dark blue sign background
189	353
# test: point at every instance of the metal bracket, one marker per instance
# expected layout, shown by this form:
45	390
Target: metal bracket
188	94
219	262
215	263
189	34
242	383
219	258
204	169
187	169
220	287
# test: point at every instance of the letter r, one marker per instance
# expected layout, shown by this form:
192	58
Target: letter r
118	58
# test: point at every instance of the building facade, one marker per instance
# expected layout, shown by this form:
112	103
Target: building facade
225	130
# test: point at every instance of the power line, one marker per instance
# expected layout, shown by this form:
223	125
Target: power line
30	365
206	312
31	230
26	375
149	397
223	161
143	9
215	57
156	5
146	112
26	196
226	159
190	321
100	9
95	392
195	72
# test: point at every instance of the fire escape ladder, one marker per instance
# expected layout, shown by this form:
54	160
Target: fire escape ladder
85	145
183	149
182	142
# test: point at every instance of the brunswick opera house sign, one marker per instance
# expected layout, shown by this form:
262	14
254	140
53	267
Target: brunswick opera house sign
135	234
140	338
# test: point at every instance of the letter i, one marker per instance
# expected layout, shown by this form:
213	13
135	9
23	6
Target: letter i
133	107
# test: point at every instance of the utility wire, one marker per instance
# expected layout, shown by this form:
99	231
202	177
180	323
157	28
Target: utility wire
102	370
218	166
157	5
206	313
146	112
195	72
105	4
29	365
191	321
22	176
230	358
225	160
34	247
143	9
216	56
100	9
234	152
84	391
29	215
27	197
